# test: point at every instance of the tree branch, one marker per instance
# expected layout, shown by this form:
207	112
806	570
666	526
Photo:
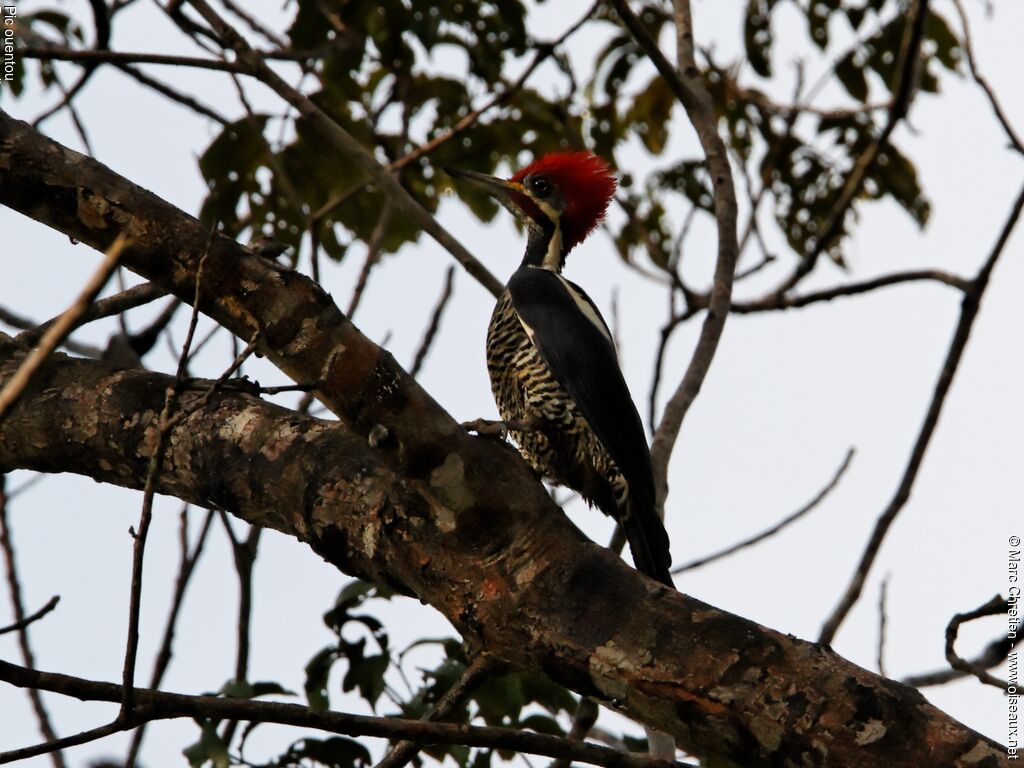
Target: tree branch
687	84
994	607
157	705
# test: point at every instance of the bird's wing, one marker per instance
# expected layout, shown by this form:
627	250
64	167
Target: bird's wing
577	346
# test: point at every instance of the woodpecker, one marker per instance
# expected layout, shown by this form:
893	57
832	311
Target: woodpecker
552	361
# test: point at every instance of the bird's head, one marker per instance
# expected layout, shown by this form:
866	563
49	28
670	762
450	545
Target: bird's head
560	198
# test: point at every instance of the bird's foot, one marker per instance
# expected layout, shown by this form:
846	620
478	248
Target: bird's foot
499	429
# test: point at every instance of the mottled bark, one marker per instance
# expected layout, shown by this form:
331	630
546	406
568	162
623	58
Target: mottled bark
456	520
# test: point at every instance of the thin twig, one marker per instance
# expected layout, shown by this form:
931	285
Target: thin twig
31	618
476	673
994	607
186	568
254	24
54	747
124	57
434	324
776	301
63	326
883	620
995	653
156	458
1015	139
22	323
167	91
968	312
543	52
22	621
121	302
101	23
786	521
373	254
244	556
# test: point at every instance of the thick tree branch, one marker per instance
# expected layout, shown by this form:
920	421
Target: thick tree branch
458	521
529	589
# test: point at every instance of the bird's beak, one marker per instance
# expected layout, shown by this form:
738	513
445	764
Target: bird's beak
500	189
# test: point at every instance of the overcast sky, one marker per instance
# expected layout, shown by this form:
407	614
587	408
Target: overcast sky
787	395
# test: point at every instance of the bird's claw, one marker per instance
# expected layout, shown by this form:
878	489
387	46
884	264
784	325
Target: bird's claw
499	429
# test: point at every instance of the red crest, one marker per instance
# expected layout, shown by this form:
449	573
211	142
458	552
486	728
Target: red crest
585	183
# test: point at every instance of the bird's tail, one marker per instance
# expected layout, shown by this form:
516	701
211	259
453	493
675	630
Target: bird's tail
648	542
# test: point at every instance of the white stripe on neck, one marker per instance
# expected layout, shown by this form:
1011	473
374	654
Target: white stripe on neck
553	257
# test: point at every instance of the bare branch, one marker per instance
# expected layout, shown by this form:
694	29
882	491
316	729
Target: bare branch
434	324
994	607
186	567
776	301
1015	139
112	305
123	57
157	705
22	621
786	521
968	312
23	323
373	254
31	618
174	95
883	620
687	85
995	653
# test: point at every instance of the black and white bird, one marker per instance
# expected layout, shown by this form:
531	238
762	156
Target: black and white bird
552	361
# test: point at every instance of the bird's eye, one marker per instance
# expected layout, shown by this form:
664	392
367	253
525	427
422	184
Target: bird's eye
540	186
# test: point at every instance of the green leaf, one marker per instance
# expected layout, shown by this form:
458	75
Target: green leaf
819	12
229	166
947	44
336	752
500	699
757	35
210	748
650	113
852	77
367	674
553	697
317	671
542	724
